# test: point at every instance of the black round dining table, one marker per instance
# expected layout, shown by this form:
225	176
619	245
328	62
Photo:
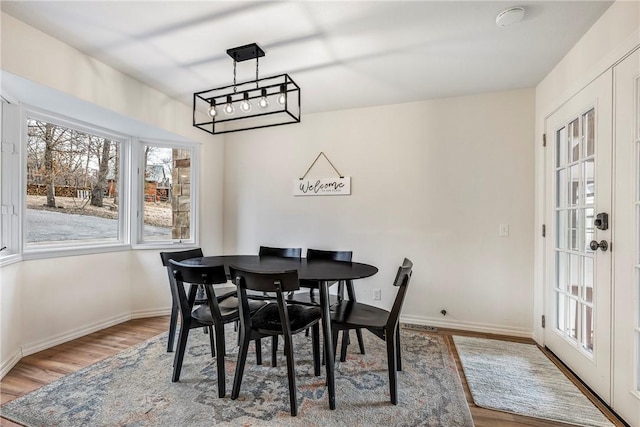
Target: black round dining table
319	271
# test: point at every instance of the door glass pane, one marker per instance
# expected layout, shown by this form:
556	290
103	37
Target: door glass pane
574	141
562	199
574	268
560	311
589	190
574	185
588	229
573	229
561	147
588	279
561	271
588	121
587	328
572	331
561	235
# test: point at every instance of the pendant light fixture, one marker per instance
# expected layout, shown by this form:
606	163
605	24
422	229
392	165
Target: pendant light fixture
277	99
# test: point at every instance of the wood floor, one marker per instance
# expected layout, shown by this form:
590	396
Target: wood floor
46	366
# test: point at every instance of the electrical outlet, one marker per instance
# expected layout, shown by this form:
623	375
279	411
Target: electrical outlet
503	230
377	294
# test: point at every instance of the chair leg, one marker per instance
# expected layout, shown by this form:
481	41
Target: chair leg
345	344
212	341
258	352
315	343
360	340
291	375
274	351
393	374
220	359
182	345
173	322
242	359
334	336
398	349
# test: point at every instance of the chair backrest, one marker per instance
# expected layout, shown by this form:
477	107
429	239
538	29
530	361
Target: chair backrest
278	282
178	256
329	255
403	276
196	275
280	252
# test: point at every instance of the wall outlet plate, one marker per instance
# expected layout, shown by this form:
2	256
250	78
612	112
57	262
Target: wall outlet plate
377	294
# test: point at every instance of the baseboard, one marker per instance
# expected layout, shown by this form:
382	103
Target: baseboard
467	326
143	314
37	346
7	365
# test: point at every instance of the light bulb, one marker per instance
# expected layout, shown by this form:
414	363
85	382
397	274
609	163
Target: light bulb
229	108
282	98
212	111
245	105
263	102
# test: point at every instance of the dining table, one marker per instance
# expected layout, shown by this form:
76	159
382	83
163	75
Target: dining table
322	272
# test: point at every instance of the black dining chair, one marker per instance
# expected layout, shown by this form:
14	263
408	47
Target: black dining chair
312	298
270	251
216	313
175	305
276	318
382	323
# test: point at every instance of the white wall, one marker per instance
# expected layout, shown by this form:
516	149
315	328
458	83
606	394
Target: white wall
49	301
608	40
431	181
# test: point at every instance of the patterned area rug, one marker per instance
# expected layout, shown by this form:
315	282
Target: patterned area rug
519	378
134	388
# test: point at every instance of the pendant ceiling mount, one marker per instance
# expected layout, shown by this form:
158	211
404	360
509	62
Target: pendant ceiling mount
276	98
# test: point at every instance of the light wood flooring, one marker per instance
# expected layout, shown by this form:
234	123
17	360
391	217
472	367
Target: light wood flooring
46	366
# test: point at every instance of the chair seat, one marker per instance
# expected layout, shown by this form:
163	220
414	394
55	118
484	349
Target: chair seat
228	310
221	294
267	320
312	299
357	315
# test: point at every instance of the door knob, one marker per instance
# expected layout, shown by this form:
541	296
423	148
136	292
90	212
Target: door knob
603	245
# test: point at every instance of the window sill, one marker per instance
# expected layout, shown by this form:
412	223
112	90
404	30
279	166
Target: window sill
164	245
10	259
58	252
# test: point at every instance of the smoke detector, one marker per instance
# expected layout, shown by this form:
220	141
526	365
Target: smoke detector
509	16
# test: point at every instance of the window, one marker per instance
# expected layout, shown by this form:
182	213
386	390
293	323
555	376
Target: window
72	184
70	188
167	207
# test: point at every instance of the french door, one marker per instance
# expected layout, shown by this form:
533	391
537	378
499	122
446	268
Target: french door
577	256
626	238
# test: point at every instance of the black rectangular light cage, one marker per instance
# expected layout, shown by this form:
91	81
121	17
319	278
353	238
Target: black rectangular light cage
261	103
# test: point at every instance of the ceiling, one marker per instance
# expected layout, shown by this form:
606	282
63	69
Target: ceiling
343	54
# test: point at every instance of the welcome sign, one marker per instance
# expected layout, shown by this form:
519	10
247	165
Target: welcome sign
339	186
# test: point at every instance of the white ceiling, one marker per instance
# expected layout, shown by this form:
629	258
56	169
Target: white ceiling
343	54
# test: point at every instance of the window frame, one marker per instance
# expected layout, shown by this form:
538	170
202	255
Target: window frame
137	193
130	188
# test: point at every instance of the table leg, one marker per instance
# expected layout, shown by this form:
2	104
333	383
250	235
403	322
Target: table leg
328	343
